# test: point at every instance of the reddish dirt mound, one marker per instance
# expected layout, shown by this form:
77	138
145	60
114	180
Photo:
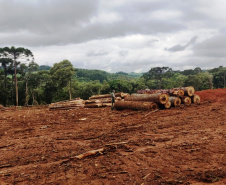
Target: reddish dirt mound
183	145
213	95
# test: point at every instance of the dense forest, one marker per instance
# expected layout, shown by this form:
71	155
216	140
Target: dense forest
23	82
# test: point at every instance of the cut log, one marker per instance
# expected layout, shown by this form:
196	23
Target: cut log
2	107
100	96
120	94
195	99
178	92
105	100
161	98
172	92
186	100
167	105
93	101
135	105
94	105
189	91
175	101
124	95
67	104
106	105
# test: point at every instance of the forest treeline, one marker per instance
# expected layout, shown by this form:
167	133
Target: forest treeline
39	85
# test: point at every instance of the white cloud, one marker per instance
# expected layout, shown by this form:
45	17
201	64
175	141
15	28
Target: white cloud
162	15
106	18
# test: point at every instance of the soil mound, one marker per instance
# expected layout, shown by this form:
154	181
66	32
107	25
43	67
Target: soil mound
213	95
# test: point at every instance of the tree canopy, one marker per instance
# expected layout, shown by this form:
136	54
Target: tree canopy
46	84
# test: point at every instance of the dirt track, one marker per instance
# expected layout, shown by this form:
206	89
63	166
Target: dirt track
185	145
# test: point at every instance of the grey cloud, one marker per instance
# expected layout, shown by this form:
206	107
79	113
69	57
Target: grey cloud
213	47
123	53
91	32
69	22
96	53
182	48
45	16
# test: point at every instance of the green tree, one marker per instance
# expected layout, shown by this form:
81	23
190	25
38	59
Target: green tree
157	73
195	81
121	86
27	71
207	80
6	65
17	55
138	84
197	70
106	89
62	74
219	77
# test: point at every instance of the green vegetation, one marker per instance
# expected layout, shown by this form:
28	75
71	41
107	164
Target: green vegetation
44	84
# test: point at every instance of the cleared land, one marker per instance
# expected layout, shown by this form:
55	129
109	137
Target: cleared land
184	145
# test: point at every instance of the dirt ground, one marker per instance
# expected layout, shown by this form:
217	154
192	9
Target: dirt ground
184	145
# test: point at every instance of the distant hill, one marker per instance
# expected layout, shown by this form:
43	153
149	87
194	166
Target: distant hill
44	67
91	75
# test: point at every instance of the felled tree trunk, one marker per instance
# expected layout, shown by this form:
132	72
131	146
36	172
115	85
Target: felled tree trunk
186	100
189	91
172	92
67	104
94	105
167	105
195	99
161	98
178	92
121	94
100	96
135	105
175	101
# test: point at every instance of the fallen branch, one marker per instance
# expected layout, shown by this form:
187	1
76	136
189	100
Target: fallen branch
120	143
121	172
92	152
146	176
5	166
5	146
151	112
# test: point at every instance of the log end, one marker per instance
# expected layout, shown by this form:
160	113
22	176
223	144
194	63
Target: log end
196	99
163	98
190	90
177	102
167	105
154	106
181	93
186	100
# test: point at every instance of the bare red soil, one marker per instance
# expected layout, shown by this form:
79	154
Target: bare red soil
184	145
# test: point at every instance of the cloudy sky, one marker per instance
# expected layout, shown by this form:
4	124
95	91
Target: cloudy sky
118	35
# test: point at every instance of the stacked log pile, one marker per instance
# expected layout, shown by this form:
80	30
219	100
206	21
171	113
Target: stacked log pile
104	100
95	101
2	108
68	104
164	98
143	101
